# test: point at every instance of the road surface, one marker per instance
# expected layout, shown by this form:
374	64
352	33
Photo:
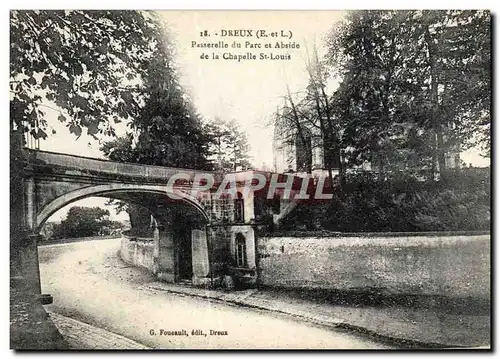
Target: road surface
91	284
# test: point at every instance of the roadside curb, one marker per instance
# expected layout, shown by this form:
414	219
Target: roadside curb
31	328
334	323
84	336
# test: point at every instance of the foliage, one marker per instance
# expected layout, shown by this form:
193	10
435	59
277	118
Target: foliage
168	136
410	87
402	203
87	64
140	220
229	145
169	132
407	80
47	230
85	222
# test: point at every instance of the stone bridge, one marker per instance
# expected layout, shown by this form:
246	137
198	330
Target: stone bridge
219	240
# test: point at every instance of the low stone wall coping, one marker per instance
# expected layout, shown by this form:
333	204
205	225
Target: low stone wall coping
127	235
322	234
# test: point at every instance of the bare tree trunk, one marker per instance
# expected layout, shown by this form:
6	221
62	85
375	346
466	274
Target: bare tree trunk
326	141
439	155
334	141
326	133
140	220
440	150
300	132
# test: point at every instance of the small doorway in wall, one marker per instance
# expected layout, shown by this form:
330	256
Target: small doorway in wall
183	220
184	255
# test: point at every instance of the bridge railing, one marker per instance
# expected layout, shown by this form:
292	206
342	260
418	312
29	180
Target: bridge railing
87	164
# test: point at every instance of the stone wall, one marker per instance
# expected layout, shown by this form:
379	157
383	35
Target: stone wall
426	264
138	252
158	255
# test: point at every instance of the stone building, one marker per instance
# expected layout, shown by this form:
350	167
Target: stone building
290	155
206	251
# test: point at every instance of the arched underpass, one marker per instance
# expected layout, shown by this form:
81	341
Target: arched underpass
163	224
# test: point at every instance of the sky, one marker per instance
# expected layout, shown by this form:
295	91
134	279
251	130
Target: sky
247	91
250	91
89	202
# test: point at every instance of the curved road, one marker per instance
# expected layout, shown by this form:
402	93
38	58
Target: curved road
91	284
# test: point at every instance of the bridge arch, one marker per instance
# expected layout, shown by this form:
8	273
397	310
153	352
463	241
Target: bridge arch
109	189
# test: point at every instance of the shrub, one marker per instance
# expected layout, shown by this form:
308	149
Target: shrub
369	202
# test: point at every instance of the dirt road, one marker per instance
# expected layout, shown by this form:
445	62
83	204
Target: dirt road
91	284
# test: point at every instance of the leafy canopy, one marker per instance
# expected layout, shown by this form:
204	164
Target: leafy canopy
409	77
87	64
85	222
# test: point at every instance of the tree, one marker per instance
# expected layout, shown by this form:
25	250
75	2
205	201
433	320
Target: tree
120	149
87	64
167	130
302	121
229	146
322	116
406	82
84	222
367	52
291	127
459	62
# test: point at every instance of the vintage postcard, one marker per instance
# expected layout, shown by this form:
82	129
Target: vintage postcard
250	179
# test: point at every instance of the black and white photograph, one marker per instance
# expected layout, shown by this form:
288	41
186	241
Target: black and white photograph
250	179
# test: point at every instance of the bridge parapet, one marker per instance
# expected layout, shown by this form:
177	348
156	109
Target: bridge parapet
57	164
53	180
